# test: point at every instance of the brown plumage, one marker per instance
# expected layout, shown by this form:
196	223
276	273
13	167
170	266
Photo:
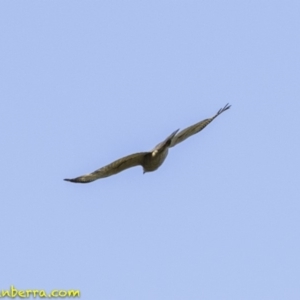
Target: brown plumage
150	161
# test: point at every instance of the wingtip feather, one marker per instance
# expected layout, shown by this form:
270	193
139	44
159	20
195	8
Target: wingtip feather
227	106
77	180
70	180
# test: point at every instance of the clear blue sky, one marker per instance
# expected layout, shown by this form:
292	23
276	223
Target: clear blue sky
86	82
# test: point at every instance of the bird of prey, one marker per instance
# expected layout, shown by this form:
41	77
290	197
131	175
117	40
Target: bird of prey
150	161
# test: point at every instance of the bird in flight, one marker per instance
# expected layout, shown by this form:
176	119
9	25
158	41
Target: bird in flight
150	161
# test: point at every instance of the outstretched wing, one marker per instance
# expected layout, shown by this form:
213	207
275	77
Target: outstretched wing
187	132
113	168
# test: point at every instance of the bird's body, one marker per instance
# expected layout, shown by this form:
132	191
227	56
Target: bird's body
150	161
156	157
154	160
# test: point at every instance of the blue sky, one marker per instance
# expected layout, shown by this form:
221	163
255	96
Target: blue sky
86	82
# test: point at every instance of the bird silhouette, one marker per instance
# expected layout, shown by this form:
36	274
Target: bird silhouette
150	161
